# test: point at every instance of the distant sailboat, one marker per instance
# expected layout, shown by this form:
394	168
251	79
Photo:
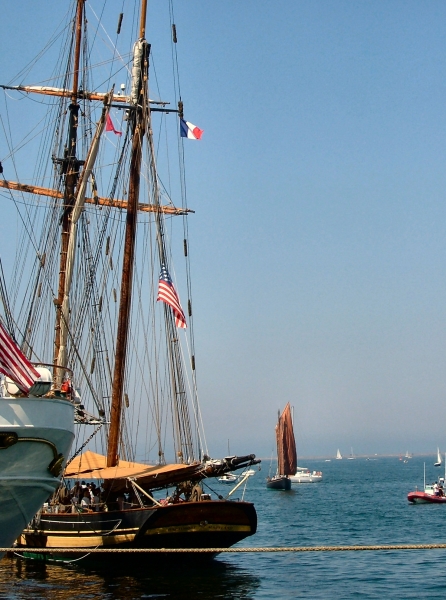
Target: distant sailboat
352	456
338	455
438	463
286	452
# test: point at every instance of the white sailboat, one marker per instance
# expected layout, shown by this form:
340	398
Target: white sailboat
438	463
352	456
338	455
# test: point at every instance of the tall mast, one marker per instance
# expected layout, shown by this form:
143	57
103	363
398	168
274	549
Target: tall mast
71	169
140	101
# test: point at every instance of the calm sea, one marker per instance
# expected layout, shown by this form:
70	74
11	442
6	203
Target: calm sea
359	502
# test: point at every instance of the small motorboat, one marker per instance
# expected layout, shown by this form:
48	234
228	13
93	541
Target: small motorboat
304	475
231	478
433	493
228	478
425	497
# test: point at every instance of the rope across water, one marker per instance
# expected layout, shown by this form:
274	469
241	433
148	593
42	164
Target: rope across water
373	548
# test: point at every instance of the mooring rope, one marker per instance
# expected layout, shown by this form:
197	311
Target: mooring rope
225	550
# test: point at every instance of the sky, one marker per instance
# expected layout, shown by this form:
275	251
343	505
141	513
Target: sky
318	244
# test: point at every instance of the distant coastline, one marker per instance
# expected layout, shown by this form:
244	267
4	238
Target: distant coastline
364	456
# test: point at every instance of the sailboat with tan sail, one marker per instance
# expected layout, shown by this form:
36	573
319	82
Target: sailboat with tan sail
127	337
286	452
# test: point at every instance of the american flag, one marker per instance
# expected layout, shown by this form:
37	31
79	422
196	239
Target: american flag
14	364
167	294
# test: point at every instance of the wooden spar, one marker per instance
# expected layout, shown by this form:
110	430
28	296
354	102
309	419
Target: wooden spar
81	94
129	251
72	173
115	203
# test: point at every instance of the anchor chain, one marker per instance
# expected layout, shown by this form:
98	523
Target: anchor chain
84	444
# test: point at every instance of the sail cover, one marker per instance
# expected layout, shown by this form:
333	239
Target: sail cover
91	465
286	444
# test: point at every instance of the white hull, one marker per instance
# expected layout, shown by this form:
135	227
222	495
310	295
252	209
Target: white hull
25	481
306	477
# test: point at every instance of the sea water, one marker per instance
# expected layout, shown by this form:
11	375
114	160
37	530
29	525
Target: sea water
359	502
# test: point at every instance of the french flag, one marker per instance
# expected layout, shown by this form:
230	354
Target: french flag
190	131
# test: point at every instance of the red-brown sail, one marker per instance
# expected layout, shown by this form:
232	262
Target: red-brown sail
286	444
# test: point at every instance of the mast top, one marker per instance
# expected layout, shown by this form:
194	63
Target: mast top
79	13
142	23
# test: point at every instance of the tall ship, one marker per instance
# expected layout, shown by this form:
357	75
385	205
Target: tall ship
104	220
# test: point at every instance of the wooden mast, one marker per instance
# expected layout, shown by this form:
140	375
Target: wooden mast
71	168
129	248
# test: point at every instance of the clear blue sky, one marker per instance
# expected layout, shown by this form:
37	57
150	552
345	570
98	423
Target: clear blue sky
319	239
